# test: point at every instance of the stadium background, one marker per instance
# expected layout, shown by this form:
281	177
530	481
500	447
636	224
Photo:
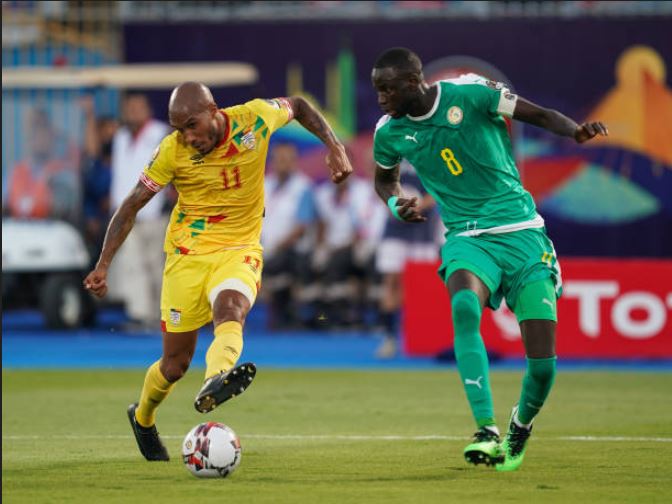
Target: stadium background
608	61
607	205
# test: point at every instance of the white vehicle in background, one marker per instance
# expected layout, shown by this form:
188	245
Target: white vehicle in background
43	264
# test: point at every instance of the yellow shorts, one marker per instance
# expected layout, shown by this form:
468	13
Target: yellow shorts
191	284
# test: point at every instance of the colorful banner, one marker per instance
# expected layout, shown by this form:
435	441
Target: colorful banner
607	198
609	309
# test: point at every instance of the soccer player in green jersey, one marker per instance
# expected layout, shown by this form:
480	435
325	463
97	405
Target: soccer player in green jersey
454	134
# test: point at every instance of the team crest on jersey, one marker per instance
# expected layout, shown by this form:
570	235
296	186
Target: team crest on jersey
455	115
175	316
197	159
248	140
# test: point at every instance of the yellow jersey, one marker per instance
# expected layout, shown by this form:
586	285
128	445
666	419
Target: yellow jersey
221	194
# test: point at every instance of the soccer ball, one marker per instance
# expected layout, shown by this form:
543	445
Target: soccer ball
211	450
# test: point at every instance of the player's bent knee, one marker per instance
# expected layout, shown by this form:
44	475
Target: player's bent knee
174	369
226	312
466	311
231	300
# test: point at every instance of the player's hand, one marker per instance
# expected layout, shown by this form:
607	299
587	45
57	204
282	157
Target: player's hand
409	210
339	164
586	131
96	282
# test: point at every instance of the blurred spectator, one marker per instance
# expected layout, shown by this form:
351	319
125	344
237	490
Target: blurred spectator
45	184
135	276
286	235
401	242
97	174
345	248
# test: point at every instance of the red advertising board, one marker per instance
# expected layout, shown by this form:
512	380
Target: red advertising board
609	308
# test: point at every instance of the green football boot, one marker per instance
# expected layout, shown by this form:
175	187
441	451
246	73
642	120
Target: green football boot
514	445
484	449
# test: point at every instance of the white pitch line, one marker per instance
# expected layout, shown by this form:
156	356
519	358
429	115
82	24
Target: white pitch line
339	437
615	438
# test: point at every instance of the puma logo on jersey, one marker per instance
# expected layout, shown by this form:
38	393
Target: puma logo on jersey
412	138
477	382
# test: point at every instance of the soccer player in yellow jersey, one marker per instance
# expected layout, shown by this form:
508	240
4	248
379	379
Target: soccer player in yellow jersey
215	159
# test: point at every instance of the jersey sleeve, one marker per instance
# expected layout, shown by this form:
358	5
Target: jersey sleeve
383	151
275	113
160	169
490	96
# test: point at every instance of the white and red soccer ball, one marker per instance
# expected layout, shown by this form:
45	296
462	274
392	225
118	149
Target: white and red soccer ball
211	450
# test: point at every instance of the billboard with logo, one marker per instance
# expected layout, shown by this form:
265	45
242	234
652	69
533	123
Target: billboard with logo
609	308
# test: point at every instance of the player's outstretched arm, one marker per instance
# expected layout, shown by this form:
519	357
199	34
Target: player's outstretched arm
557	123
313	121
120	225
387	185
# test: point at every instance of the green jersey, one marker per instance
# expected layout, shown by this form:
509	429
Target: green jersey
462	153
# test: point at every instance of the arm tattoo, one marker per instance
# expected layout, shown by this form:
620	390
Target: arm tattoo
313	121
122	222
120	225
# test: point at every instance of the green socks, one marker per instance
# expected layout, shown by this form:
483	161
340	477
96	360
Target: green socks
537	384
472	359
472	363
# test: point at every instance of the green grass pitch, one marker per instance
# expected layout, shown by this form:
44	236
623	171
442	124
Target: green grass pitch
337	437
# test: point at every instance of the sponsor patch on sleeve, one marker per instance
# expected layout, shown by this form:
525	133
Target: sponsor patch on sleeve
507	103
283	103
494	85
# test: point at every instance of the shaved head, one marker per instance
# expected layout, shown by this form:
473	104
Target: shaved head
190	98
193	113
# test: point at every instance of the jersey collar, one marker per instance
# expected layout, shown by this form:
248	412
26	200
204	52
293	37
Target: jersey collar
432	110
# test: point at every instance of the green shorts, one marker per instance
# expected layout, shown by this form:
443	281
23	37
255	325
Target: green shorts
505	263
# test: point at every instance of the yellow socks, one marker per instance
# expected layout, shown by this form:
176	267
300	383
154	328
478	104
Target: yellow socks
224	349
155	390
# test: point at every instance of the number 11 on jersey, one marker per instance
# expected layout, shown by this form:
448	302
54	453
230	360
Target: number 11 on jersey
237	183
453	164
